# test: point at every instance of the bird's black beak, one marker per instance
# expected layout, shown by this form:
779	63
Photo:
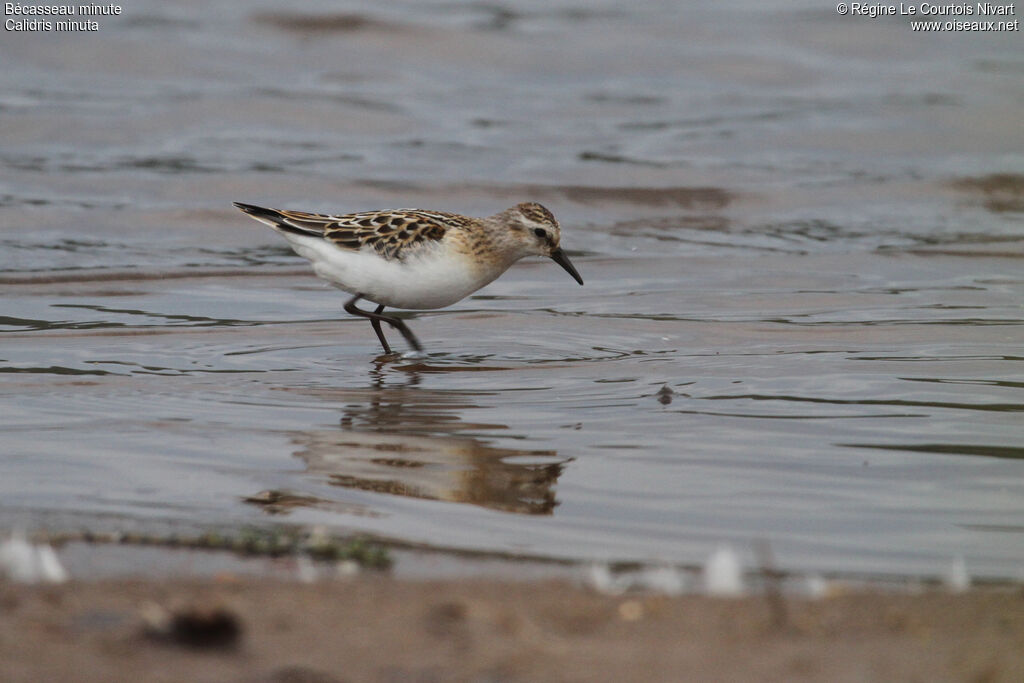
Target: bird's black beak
559	257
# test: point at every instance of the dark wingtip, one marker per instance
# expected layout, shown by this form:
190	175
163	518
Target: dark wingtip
277	220
260	212
251	208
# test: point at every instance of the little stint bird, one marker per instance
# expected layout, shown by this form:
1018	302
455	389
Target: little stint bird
415	259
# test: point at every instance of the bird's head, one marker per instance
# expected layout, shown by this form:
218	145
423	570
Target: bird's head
535	231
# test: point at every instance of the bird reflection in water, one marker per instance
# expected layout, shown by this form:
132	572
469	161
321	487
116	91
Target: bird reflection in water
405	440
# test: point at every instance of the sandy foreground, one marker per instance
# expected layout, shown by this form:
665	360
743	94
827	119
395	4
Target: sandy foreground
378	628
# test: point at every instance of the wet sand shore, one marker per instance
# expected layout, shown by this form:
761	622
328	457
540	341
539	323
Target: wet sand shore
377	628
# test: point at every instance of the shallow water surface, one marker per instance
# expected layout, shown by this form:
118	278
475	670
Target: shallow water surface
803	318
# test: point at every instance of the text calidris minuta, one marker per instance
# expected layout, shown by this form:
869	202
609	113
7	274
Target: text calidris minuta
409	258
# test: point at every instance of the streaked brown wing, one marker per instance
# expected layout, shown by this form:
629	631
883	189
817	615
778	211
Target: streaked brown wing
393	234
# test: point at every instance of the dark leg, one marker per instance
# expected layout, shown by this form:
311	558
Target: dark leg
376	319
380	332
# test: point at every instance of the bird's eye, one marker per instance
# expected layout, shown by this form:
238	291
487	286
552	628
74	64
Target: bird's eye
540	232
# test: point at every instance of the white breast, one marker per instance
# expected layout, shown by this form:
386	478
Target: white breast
432	278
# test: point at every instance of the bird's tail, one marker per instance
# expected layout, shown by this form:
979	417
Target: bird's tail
285	221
